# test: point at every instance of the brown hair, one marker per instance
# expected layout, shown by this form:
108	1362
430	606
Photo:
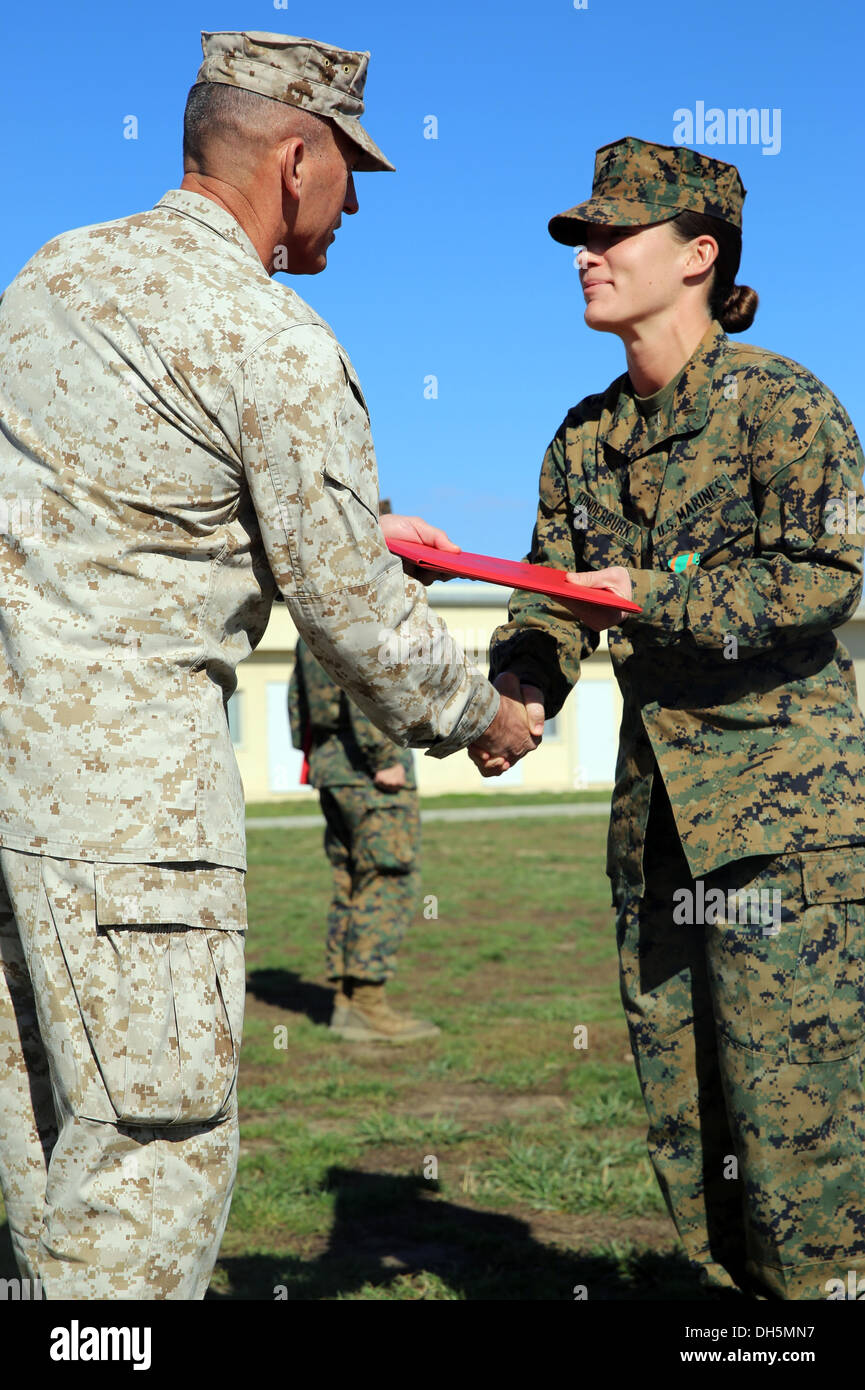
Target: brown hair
734	306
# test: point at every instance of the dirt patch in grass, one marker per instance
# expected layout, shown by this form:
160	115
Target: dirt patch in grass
475	1106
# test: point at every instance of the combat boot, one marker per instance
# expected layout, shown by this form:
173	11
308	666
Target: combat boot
369	1018
341	1006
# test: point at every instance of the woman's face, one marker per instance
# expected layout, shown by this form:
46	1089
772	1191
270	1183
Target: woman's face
632	276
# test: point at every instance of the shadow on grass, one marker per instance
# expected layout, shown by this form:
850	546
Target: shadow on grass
289	991
8	1267
388	1227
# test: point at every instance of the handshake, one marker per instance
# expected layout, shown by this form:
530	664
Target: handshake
519	724
516	730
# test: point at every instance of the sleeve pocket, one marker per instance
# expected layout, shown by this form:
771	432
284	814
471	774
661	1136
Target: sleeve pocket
350	465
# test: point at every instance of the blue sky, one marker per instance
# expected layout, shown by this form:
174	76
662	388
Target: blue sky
448	269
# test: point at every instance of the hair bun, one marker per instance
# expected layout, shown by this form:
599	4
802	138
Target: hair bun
739	309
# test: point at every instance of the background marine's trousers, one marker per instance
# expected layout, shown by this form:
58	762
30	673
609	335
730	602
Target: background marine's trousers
749	1037
121	1007
372	840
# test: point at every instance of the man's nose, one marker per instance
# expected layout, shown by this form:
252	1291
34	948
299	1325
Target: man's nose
351	204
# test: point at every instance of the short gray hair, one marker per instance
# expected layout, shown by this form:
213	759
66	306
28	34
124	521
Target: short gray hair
218	114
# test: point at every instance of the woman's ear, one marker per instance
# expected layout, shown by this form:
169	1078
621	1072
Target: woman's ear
702	254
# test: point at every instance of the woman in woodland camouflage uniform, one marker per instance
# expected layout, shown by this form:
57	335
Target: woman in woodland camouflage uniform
705	484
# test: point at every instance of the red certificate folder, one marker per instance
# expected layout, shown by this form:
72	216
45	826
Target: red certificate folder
512	574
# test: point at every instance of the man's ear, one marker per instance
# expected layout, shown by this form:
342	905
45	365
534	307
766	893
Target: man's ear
293	166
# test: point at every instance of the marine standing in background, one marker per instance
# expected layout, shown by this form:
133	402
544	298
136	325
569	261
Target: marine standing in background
705	484
368	795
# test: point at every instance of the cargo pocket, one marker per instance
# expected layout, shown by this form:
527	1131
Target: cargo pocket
388	835
162	990
827	1015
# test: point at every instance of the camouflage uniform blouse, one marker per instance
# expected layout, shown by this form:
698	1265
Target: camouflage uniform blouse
733	681
182	437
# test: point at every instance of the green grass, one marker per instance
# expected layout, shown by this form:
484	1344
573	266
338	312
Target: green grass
493	1162
305	803
524	1130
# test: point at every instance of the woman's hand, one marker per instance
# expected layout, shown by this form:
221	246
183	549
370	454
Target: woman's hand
615	579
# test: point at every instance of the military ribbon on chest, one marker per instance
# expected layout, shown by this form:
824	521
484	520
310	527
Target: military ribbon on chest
679	563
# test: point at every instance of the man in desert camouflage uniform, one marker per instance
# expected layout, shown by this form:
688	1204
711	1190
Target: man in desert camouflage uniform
183	437
368	795
741	762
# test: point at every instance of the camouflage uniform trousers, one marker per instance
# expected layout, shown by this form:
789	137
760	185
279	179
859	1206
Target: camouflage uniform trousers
372	840
749	1040
119	1038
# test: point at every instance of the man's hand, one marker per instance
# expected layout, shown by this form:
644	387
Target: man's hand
390	779
618	580
420	532
516	730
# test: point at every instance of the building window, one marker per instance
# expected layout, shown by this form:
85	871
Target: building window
552	729
597	738
235	718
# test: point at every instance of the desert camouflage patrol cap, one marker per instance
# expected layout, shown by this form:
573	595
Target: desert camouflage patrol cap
301	72
637	183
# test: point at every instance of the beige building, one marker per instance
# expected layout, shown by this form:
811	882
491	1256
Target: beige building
579	747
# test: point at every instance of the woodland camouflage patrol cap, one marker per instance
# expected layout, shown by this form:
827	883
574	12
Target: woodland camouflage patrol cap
301	72
637	183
